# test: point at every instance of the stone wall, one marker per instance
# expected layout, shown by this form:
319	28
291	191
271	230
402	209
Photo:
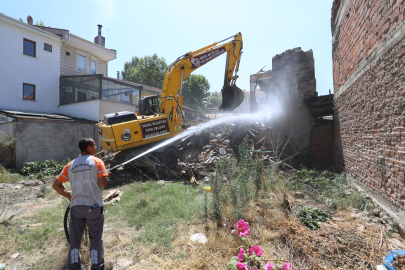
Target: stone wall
369	89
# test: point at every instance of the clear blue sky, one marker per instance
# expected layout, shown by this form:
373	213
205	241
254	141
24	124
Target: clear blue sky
171	28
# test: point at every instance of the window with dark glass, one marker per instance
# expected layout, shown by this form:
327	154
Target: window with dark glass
47	47
28	91
29	47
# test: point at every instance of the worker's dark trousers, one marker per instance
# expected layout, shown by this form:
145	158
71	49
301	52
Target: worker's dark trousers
79	216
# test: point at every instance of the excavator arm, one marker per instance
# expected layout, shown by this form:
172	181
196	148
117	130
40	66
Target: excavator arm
179	70
159	117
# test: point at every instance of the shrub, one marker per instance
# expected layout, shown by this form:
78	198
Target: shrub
311	216
6	144
41	169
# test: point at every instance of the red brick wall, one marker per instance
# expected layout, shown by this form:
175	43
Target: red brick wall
360	32
321	145
369	114
371	126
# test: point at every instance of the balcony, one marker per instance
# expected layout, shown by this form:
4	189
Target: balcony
93	96
75	89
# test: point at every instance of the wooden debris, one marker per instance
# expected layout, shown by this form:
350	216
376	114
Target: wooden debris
113	195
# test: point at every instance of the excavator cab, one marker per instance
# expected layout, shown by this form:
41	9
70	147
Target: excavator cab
232	97
149	105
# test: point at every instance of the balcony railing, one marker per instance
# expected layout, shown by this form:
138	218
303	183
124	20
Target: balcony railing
80	88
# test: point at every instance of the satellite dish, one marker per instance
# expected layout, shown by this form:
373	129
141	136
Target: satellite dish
30	20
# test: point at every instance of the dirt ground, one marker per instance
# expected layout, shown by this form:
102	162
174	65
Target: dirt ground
25	197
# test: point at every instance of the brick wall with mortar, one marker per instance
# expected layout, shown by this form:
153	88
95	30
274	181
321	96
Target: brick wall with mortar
321	145
358	27
293	79
369	87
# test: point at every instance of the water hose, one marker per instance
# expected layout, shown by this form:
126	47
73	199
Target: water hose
65	226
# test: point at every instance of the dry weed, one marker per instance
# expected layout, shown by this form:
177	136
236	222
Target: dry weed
334	246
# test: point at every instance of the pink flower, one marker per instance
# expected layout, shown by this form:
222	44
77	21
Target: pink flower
241	255
241	266
255	268
243	228
287	266
270	266
256	250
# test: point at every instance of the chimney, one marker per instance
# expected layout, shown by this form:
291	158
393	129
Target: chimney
118	75
100	40
30	20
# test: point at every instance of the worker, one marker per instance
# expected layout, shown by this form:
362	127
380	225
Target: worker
87	175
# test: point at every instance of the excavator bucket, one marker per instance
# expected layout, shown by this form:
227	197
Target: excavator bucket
232	97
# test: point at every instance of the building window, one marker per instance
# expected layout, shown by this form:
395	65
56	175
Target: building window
29	47
47	47
28	91
81	63
93	67
68	53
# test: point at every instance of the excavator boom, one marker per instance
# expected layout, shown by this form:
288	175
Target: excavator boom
159	117
179	70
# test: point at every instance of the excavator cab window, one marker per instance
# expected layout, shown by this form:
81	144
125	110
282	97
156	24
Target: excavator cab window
149	105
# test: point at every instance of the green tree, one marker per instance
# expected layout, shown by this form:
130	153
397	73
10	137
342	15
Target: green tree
195	91
149	70
214	100
41	23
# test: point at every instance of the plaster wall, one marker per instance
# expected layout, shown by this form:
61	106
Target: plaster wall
8	128
111	107
94	109
44	140
86	109
17	68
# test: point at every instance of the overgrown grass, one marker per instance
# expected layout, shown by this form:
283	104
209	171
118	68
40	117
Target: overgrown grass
154	211
9	176
22	237
332	189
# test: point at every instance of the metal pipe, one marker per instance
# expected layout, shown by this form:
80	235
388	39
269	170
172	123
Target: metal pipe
181	91
99	29
181	84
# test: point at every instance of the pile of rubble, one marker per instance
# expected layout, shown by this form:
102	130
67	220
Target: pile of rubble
226	140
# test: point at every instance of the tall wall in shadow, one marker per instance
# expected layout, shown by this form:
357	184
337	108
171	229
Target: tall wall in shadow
293	80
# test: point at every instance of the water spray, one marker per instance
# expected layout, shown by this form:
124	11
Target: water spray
191	131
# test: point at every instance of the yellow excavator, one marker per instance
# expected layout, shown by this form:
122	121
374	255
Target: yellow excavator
159	117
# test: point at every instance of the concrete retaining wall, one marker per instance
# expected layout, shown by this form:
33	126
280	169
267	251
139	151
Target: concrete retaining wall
44	140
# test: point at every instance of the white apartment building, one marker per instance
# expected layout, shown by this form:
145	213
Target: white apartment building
29	67
45	70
